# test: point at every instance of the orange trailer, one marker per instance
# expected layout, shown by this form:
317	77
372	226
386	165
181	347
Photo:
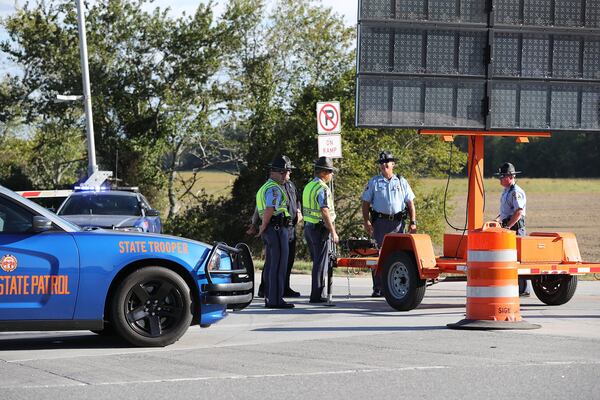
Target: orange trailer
406	261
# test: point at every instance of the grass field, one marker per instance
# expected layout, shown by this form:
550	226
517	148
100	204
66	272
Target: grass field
553	205
213	182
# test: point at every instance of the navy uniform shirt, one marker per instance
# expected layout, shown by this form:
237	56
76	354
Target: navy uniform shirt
513	198
388	196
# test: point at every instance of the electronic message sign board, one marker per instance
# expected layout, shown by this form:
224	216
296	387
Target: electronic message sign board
479	64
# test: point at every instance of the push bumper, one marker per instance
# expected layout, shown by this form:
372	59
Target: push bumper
238	293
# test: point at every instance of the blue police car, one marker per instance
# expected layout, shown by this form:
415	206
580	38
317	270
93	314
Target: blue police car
145	287
111	209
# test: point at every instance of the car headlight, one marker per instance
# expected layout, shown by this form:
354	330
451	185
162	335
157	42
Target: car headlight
128	228
214	264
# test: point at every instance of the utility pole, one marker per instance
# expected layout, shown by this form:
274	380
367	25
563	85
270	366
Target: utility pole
87	97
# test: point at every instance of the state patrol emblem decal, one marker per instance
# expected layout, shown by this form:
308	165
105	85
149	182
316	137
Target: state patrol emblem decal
8	263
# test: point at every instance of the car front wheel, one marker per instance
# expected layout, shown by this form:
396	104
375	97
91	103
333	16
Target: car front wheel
152	307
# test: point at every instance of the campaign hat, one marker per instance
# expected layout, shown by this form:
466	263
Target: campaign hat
281	163
325	163
506	169
385	156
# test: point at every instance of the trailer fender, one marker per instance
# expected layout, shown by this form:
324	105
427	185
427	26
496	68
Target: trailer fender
418	244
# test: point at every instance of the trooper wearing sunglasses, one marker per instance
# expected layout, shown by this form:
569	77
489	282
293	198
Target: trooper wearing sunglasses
272	206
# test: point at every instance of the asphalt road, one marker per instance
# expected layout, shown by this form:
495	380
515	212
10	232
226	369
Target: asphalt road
359	349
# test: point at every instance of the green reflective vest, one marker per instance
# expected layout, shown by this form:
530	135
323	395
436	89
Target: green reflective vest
310	206
261	202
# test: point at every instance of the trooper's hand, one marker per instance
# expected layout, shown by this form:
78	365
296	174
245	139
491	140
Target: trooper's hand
251	230
261	230
335	238
412	228
369	228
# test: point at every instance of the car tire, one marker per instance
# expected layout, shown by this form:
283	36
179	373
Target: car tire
402	286
152	307
554	290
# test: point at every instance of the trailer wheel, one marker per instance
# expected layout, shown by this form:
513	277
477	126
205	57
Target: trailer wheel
554	290
402	287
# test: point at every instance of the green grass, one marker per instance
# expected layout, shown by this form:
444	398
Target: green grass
217	183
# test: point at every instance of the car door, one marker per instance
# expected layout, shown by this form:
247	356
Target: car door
39	271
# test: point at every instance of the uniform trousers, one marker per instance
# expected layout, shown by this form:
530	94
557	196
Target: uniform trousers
319	245
276	243
381	227
524	284
290	263
291	258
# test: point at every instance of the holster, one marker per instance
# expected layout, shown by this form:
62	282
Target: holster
519	225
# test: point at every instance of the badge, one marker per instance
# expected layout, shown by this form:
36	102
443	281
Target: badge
8	263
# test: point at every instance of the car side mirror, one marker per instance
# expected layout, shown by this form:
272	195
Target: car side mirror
41	224
151	212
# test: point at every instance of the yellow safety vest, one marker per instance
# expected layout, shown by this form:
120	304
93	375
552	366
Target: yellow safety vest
311	209
261	203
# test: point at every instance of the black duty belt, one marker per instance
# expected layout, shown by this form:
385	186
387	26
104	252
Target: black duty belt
280	220
390	217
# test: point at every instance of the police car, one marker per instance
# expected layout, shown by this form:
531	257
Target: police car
110	209
145	287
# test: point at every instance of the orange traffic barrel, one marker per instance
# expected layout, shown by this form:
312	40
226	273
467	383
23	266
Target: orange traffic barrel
492	281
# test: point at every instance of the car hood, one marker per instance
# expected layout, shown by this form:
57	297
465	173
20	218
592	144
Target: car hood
102	221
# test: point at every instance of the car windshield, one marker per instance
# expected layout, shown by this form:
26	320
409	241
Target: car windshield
101	204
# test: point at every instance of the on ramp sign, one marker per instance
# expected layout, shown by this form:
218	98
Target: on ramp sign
328	117
330	146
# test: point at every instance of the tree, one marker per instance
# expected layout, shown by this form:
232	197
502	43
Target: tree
155	80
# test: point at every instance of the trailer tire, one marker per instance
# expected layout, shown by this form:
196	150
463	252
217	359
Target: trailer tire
402	286
554	290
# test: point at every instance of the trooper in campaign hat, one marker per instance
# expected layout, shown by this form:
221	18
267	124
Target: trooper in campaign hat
273	211
282	165
387	200
319	227
513	202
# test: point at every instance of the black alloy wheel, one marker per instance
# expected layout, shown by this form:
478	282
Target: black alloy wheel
152	307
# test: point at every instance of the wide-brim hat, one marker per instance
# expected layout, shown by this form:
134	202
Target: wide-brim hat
385	156
325	163
281	163
506	169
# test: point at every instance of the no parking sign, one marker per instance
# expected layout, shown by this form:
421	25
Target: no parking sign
328	117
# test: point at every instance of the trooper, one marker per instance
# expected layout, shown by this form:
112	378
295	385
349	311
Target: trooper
271	203
294	208
513	204
319	228
386	201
